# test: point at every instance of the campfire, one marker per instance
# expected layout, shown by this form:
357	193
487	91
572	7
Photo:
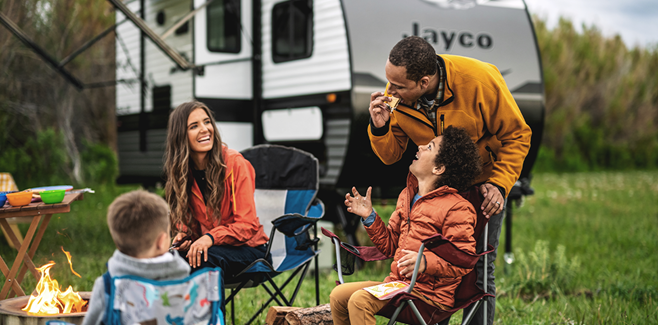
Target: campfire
50	300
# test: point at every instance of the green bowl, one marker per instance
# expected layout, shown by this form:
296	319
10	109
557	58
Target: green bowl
53	196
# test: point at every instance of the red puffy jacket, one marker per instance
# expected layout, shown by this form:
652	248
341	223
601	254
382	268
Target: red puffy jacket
441	211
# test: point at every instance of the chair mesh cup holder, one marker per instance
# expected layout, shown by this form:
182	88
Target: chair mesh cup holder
347	259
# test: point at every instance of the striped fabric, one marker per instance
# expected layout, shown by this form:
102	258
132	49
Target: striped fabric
287	182
272	204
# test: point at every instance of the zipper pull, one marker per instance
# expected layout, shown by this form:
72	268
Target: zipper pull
442	120
493	155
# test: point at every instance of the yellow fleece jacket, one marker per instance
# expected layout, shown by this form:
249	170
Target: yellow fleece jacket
476	98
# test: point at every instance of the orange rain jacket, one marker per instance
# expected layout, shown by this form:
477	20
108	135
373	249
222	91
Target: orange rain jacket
441	211
239	224
477	99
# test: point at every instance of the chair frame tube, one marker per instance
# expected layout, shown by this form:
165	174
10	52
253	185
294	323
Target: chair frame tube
416	267
317	264
338	262
486	243
391	321
410	289
470	315
279	291
417	313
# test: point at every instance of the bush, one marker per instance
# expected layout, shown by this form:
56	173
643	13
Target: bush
601	101
42	160
538	274
100	164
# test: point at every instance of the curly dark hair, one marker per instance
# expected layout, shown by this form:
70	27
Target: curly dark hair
461	158
415	54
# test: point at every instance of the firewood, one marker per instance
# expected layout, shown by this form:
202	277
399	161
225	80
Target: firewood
277	314
320	315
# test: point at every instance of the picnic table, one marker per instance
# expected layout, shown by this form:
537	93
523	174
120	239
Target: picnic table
37	211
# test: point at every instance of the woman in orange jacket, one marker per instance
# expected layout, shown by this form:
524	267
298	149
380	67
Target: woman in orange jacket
428	205
210	191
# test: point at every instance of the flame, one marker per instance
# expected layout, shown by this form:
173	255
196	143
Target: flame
68	256
50	300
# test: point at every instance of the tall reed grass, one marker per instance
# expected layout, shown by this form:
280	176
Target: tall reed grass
601	100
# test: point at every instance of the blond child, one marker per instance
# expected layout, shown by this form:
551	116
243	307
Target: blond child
140	227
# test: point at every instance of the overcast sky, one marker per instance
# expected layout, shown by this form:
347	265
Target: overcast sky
635	20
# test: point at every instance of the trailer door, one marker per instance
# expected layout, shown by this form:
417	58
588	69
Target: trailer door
223	49
223	46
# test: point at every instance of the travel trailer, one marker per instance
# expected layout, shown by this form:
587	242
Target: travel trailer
300	73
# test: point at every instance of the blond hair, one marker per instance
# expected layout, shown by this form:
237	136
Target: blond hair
136	219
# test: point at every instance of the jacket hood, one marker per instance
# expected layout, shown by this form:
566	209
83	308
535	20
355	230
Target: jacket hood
122	264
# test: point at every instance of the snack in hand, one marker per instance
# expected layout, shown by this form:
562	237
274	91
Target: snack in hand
394	100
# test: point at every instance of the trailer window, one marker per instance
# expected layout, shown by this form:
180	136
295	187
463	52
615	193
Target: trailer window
292	30
223	23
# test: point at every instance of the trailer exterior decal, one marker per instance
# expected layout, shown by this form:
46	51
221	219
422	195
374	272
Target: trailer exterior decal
466	39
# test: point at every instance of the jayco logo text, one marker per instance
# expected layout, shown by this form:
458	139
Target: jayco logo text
449	39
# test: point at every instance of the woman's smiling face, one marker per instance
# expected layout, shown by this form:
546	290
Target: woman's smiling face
200	131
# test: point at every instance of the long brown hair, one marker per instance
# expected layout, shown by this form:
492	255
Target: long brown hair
177	167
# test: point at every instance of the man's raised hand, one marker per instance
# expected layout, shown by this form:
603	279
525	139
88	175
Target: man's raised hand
379	111
357	204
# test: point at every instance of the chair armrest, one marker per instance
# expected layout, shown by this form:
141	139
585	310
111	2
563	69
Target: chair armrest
293	224
445	249
366	253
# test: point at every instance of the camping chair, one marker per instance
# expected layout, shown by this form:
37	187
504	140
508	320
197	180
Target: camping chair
287	181
419	312
196	299
130	299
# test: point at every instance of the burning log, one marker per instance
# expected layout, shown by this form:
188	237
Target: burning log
11	313
49	303
50	300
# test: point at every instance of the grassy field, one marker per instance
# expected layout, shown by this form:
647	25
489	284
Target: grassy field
585	247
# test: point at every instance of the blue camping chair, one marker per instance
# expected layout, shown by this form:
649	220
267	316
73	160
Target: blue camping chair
287	181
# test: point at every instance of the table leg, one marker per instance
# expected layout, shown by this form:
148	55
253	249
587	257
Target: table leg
19	258
28	259
33	248
5	271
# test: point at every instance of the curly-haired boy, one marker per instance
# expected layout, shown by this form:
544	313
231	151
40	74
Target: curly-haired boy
429	204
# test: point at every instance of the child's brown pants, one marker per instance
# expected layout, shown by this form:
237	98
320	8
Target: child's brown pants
351	305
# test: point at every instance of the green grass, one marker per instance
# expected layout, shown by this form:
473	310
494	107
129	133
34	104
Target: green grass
606	220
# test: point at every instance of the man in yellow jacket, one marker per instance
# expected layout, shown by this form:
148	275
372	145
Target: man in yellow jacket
436	91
